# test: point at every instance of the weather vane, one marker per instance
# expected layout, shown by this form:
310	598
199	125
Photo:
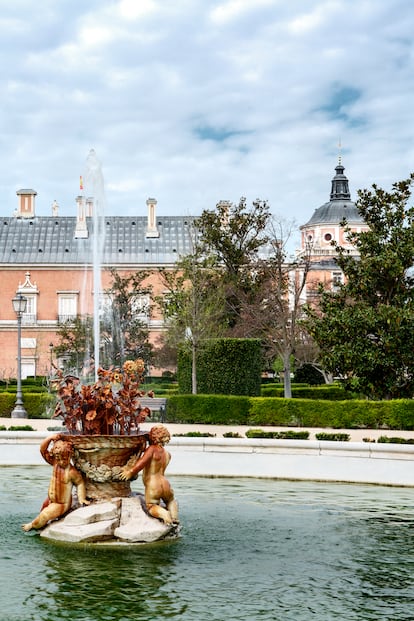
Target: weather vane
340	151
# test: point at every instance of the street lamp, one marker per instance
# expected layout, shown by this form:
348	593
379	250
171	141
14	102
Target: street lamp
19	306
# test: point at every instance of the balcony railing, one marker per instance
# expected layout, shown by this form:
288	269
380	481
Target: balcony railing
28	319
66	318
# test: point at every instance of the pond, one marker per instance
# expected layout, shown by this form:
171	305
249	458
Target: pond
251	549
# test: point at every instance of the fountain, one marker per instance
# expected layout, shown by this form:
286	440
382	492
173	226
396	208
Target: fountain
102	451
95	190
100	465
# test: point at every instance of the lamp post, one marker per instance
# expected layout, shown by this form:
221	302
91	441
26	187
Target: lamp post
51	357
19	306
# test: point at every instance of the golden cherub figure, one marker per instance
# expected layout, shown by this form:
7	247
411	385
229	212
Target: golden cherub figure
64	477
154	462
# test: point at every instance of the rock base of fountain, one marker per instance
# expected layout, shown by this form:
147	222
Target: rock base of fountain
116	521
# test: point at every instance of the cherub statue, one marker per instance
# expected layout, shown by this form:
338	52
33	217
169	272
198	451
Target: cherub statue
64	477
154	462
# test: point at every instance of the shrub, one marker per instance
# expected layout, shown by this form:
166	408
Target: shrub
395	440
278	435
21	428
309	374
37	405
334	437
194	434
231	434
7	401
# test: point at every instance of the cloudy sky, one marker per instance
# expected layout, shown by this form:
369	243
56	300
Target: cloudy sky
194	101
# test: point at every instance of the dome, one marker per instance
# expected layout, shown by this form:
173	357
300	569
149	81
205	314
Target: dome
340	205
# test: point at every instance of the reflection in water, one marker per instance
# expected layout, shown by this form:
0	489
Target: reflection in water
104	583
250	549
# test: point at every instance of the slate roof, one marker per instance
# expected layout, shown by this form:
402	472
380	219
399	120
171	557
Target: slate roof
335	212
51	240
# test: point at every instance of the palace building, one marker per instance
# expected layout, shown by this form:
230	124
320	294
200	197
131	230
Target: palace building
49	259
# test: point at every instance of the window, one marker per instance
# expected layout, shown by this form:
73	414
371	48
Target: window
337	280
29	316
67	306
28	367
327	237
30	292
141	307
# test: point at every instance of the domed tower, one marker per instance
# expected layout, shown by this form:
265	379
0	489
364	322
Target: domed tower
324	226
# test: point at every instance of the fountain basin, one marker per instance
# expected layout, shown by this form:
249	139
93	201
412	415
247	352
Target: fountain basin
358	462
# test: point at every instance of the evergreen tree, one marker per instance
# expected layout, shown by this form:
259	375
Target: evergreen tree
365	330
232	235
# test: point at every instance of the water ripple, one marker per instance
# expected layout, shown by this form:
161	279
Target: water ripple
250	550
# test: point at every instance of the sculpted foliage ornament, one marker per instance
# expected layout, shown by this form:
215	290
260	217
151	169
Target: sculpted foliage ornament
110	406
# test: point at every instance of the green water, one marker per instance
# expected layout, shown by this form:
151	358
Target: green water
250	550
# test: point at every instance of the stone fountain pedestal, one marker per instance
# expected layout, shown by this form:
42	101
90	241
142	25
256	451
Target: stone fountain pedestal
115	514
116	521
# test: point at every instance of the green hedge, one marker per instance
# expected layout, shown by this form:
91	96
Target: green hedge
330	392
394	440
278	435
333	437
36	404
218	409
208	409
224	367
12	388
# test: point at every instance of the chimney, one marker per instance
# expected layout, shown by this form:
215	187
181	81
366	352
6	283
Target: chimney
26	204
89	207
151	223
81	230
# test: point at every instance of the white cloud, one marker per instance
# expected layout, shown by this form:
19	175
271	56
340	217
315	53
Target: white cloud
133	9
232	9
192	102
322	12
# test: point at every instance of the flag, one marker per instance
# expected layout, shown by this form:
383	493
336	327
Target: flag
81	182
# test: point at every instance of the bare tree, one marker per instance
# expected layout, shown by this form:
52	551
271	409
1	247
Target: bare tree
274	313
192	304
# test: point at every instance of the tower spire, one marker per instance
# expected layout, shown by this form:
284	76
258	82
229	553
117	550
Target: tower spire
340	186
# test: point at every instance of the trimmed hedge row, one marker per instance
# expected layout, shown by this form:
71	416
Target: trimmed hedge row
12	388
208	409
39	380
226	410
330	392
37	404
278	435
